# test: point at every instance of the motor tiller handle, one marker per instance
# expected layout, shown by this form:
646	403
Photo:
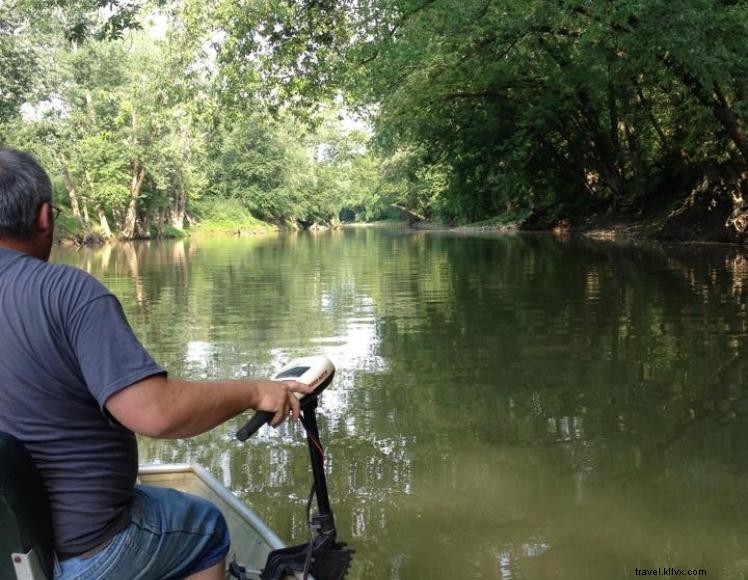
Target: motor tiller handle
316	371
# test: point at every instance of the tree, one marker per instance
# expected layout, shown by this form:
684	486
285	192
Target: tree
544	108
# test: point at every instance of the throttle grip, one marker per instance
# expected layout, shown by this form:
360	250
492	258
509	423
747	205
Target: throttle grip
253	425
315	371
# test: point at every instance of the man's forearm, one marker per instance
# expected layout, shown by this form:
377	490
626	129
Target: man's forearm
173	408
169	408
194	407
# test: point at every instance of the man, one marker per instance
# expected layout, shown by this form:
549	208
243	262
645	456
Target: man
75	387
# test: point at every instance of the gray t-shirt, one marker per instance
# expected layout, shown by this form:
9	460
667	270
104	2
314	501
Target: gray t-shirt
65	348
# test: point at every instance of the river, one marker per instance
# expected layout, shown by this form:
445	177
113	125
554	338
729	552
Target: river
504	406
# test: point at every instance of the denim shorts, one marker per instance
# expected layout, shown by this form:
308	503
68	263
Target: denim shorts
171	535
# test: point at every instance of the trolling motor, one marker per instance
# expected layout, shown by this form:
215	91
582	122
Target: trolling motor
323	556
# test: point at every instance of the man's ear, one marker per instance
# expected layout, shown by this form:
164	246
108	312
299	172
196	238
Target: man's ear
44	220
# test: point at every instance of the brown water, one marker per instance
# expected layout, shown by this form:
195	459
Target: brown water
504	407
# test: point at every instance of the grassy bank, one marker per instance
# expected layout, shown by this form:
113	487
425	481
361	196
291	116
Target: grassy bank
206	218
225	217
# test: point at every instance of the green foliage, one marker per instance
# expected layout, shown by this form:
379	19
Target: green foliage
225	216
166	231
285	172
139	125
18	61
477	108
66	227
554	108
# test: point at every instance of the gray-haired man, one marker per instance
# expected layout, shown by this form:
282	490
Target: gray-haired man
75	387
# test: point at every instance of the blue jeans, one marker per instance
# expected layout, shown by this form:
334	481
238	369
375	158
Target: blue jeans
171	535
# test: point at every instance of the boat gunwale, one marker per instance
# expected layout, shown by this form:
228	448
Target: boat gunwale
273	540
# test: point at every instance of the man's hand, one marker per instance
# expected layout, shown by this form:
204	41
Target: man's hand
278	397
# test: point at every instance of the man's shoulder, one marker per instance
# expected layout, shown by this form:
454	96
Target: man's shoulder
70	272
66	283
74	283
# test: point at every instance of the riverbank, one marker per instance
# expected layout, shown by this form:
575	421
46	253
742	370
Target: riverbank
205	218
607	230
220	220
698	219
238	229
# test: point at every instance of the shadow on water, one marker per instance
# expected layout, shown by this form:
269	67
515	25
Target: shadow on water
505	407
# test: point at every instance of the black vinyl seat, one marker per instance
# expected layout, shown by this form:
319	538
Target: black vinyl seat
25	521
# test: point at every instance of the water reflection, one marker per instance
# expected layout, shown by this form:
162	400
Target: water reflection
517	407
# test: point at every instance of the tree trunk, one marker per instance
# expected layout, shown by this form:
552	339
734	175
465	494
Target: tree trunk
177	210
412	215
603	151
644	103
131	218
73	195
613	117
138	175
143	227
575	171
716	101
730	121
105	229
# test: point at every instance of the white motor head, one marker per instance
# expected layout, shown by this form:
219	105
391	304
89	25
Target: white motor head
315	371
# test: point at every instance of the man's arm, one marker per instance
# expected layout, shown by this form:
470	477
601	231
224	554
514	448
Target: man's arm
165	408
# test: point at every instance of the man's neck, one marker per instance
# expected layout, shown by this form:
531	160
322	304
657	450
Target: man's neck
24	246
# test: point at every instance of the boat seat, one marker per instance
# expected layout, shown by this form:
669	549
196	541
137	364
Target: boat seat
26	548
